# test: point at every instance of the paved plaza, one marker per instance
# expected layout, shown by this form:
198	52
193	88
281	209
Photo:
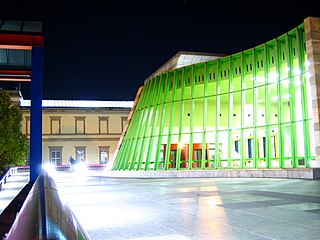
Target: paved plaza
12	188
192	208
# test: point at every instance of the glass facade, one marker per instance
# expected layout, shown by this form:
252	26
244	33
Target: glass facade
248	110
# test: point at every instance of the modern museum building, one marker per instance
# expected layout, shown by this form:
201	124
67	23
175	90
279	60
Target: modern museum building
255	109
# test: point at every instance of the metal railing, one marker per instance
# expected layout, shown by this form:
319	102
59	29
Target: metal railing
5	176
44	215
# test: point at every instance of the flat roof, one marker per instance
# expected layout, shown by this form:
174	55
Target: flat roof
79	104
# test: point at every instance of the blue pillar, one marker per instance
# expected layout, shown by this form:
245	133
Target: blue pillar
36	113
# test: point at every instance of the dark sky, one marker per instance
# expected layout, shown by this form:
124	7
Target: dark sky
104	50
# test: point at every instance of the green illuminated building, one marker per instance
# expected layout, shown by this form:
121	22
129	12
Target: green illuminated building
249	110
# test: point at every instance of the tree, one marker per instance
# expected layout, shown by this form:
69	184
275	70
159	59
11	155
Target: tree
14	146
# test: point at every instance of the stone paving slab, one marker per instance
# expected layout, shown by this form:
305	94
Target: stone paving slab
291	173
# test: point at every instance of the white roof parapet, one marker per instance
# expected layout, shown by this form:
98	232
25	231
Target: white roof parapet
80	104
184	58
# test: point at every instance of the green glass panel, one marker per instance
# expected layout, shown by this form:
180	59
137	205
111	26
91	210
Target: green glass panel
283	58
248	108
170	86
224	78
211	113
248	69
287	136
162	94
298	99
187	83
224	111
223	148
199	80
144	120
212	76
260	66
152	153
186	116
198	115
176	118
130	154
236	72
260	106
148	124
144	152
236	110
178	84
224	84
300	144
285	101
167	118
273	103
158	119
199	90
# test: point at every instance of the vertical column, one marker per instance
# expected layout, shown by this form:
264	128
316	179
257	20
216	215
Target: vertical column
36	113
312	31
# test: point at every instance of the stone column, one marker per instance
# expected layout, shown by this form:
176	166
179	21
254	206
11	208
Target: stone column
312	31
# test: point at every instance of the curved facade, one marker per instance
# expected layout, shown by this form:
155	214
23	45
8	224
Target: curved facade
252	109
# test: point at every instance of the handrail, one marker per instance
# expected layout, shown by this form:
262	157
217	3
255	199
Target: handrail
4	177
44	215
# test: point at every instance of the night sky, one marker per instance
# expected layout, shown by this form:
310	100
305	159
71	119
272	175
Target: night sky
105	50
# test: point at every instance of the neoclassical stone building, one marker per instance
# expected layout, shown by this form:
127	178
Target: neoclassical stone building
88	131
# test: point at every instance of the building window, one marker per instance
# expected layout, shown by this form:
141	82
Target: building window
80	125
237	146
250	147
123	123
55	155
55	125
28	125
103	125
103	154
81	154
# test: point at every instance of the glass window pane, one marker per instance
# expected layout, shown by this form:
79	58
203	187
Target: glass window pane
285	101
287	137
224	111
211	113
176	117
236	110
261	106
223	144
298	99
186	116
273	103
198	115
248	108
